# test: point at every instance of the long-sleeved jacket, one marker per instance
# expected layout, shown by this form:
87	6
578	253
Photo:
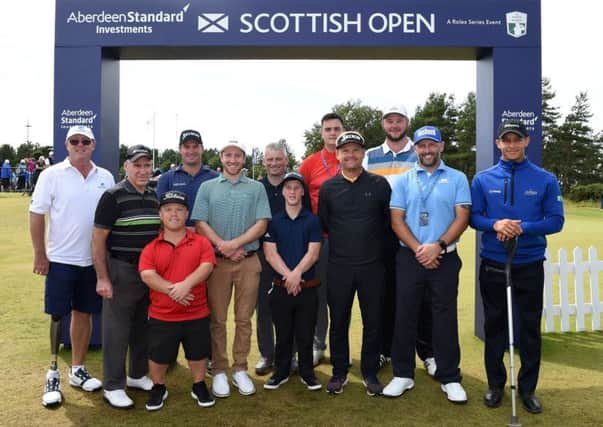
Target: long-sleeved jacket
516	190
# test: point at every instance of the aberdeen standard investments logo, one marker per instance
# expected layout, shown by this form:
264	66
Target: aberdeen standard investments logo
212	23
517	24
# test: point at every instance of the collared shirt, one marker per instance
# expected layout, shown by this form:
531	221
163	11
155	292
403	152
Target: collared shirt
434	195
316	169
231	208
70	200
518	190
383	161
356	216
179	179
131	217
175	263
292	237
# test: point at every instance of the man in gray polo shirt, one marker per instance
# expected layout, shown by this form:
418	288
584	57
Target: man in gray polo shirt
232	211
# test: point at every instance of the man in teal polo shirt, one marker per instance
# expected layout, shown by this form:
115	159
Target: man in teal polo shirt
232	211
430	208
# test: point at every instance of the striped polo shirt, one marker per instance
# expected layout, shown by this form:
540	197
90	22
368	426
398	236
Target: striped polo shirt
383	161
132	217
231	208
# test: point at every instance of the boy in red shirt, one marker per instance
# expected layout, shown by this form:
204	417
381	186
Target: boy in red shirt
175	267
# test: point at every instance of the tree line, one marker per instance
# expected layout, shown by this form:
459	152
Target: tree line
572	149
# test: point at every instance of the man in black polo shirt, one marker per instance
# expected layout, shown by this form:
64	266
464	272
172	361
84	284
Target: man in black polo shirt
275	162
354	210
126	219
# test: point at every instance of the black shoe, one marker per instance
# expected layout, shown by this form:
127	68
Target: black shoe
336	384
311	383
201	394
493	397
156	397
275	382
373	386
531	403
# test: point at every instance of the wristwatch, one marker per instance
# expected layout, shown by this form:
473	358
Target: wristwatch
443	244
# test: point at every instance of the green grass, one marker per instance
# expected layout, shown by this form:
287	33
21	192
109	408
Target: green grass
570	387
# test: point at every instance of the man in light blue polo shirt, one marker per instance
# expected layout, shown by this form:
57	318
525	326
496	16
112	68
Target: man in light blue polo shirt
430	208
232	211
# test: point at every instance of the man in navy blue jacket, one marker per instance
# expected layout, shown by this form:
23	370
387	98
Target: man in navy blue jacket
514	198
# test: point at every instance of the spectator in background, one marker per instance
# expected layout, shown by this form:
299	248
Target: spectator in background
5	175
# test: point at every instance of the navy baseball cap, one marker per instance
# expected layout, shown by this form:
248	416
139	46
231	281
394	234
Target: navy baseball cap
293	176
173	197
427	132
190	135
512	125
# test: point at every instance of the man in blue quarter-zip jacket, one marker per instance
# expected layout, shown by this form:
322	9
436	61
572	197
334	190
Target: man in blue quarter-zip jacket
514	198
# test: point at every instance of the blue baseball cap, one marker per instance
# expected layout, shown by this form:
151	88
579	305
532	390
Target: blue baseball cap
427	132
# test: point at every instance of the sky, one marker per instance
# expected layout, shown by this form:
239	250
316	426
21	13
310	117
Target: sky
258	102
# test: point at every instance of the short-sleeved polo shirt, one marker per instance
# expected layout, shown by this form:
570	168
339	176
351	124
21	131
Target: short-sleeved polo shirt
437	194
70	200
174	264
292	236
131	217
231	208
179	179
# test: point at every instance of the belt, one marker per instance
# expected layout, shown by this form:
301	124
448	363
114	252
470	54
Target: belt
312	283
449	249
247	255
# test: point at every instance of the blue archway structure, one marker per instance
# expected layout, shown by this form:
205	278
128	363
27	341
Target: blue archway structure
502	36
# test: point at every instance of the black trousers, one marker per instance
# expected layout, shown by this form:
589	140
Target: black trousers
442	283
343	283
263	314
527	292
294	317
388	313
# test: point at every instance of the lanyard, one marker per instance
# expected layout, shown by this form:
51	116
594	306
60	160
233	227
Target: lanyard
326	165
433	179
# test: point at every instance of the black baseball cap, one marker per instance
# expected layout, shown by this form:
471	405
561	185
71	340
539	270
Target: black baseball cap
294	176
173	197
512	125
190	134
138	151
349	137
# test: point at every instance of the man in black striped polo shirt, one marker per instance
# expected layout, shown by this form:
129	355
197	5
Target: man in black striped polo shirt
126	219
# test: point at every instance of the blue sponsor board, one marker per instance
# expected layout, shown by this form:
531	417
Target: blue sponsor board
514	23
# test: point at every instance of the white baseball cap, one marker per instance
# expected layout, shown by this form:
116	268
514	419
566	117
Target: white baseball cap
236	144
395	109
80	130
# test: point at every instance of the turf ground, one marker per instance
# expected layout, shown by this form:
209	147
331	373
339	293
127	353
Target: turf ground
570	387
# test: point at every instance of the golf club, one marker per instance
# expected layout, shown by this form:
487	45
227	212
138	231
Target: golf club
511	247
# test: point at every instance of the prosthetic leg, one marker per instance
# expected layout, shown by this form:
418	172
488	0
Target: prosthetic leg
52	390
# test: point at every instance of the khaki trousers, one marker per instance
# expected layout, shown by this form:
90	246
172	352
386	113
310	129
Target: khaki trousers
244	276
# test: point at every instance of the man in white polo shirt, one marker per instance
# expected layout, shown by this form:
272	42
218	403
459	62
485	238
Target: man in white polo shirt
68	192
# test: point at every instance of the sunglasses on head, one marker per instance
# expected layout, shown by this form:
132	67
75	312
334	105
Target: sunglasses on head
75	141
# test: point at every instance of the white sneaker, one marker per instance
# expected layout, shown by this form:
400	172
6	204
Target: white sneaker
81	378
317	356
219	385
118	399
142	383
397	386
241	380
430	366
455	392
52	389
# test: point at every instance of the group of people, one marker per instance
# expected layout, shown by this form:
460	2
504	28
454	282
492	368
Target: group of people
24	176
380	223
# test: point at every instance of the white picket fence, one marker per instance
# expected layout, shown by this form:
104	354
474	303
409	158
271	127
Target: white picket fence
579	309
